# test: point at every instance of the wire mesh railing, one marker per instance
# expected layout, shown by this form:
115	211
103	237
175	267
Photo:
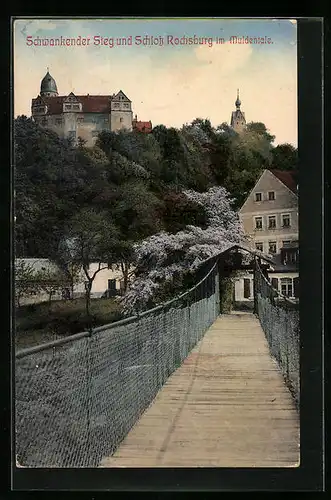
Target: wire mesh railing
279	318
76	399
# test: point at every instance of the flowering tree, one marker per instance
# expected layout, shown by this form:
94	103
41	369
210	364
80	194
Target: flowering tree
163	257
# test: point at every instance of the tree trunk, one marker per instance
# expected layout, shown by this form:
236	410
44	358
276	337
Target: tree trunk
88	297
125	271
49	299
72	290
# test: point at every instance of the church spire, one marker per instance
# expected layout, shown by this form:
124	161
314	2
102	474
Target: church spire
238	101
238	120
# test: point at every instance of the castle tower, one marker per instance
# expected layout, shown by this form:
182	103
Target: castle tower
238	120
48	86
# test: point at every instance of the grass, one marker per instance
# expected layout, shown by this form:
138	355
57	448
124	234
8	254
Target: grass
40	323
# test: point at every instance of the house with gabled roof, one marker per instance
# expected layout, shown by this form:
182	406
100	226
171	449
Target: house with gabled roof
271	221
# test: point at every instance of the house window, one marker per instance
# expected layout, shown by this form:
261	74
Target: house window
116	104
272	222
67	107
72	134
271	195
258	222
121	120
247	288
259	246
286	243
58	121
274	283
75	106
286	287
286	220
272	247
258	196
126	105
290	257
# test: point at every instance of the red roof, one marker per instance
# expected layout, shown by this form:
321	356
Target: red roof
289	178
142	126
91	103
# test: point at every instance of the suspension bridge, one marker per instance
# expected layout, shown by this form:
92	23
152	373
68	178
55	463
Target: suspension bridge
181	385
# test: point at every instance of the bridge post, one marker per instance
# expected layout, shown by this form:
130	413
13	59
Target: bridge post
255	286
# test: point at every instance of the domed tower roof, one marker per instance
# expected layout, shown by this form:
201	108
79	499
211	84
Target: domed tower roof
238	101
48	85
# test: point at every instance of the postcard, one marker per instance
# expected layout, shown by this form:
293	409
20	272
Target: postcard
156	243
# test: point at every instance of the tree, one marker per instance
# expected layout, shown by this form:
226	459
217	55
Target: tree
179	212
164	258
284	157
91	237
136	214
51	280
26	282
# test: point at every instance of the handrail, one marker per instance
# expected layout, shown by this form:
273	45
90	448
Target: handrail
71	338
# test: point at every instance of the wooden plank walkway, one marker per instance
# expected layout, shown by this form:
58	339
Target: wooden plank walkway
226	406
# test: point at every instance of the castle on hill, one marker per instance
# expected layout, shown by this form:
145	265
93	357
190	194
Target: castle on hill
85	116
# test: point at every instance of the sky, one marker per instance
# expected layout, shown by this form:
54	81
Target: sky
169	84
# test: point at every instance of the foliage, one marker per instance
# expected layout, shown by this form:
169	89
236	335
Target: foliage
50	280
25	281
164	257
285	157
163	199
41	322
90	236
